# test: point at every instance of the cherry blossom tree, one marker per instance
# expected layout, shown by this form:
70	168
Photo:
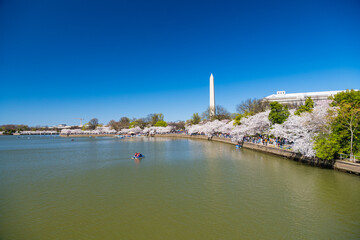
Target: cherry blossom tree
158	130
136	130
297	129
210	128
252	125
302	129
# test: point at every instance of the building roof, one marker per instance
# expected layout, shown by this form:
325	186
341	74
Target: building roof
294	96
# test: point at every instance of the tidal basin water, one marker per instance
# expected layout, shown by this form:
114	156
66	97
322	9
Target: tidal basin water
90	188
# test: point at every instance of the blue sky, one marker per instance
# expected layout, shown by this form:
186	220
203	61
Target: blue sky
61	60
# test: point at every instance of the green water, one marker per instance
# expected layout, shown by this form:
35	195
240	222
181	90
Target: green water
55	188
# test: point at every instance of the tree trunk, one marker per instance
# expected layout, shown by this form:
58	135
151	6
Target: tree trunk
351	146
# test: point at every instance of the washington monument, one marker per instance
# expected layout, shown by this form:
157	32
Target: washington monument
212	97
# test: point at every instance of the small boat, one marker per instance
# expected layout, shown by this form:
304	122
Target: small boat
139	157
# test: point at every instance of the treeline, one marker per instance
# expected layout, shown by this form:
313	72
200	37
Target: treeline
151	120
9	129
339	135
246	108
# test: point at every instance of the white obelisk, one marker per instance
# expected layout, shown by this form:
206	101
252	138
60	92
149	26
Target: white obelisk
212	97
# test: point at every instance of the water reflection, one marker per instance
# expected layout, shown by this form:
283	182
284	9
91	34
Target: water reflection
137	161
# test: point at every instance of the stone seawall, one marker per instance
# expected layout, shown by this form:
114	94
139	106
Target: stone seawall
348	167
267	149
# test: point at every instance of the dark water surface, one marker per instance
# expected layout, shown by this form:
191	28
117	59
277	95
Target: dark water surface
55	188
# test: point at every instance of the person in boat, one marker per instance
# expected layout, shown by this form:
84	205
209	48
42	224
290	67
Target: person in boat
137	155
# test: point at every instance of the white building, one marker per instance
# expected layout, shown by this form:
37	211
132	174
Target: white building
61	126
299	98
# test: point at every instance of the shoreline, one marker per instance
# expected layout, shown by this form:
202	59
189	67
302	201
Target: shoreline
253	146
90	135
339	165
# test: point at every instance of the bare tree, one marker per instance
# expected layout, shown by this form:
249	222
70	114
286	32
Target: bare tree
252	106
178	125
114	125
155	117
221	113
93	123
124	122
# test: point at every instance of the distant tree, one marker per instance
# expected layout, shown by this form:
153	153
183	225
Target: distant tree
308	107
14	127
252	106
154	118
278	113
124	122
221	113
248	108
233	115
160	123
178	125
93	123
133	124
9	129
238	117
141	122
113	124
195	119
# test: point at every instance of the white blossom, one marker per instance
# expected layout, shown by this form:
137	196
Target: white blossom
158	130
210	128
302	129
256	124
135	130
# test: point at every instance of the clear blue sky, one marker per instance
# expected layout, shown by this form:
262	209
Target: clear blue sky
66	59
